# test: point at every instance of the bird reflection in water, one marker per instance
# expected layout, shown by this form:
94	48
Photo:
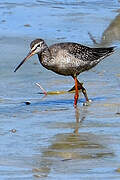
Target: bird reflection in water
71	148
79	120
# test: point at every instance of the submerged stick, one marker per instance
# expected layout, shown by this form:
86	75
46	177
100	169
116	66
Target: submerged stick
92	38
56	92
41	88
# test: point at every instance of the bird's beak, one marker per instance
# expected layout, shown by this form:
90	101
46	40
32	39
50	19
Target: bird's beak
31	53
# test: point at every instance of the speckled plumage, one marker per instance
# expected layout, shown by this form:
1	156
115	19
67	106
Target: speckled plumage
68	59
71	59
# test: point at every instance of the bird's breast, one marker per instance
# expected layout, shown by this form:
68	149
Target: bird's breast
62	62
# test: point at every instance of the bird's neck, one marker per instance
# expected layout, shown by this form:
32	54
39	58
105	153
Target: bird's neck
45	57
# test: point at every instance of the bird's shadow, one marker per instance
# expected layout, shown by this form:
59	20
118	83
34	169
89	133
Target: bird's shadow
46	102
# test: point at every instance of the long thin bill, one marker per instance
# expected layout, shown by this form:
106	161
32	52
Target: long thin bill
27	57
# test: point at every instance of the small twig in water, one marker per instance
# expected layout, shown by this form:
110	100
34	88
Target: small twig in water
92	38
41	88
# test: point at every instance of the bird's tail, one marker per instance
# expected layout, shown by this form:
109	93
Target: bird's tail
103	52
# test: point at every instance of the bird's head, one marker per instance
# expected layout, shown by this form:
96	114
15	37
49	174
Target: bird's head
36	47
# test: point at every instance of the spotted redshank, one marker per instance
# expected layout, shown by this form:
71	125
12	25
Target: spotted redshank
68	59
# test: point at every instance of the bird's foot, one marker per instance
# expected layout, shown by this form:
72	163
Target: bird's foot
87	103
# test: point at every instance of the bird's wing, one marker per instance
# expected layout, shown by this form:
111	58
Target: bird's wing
78	51
85	53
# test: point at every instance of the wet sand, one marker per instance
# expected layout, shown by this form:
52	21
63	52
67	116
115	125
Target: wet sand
47	138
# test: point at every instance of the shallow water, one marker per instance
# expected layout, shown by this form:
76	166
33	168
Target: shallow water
49	139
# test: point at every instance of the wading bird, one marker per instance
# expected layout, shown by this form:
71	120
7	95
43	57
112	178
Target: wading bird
68	59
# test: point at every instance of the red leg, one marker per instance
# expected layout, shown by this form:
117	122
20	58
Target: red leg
76	92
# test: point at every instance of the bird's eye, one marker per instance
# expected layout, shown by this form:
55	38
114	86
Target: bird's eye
38	45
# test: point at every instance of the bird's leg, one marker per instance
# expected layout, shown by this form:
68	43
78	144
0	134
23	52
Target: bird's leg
84	91
73	88
80	87
76	92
